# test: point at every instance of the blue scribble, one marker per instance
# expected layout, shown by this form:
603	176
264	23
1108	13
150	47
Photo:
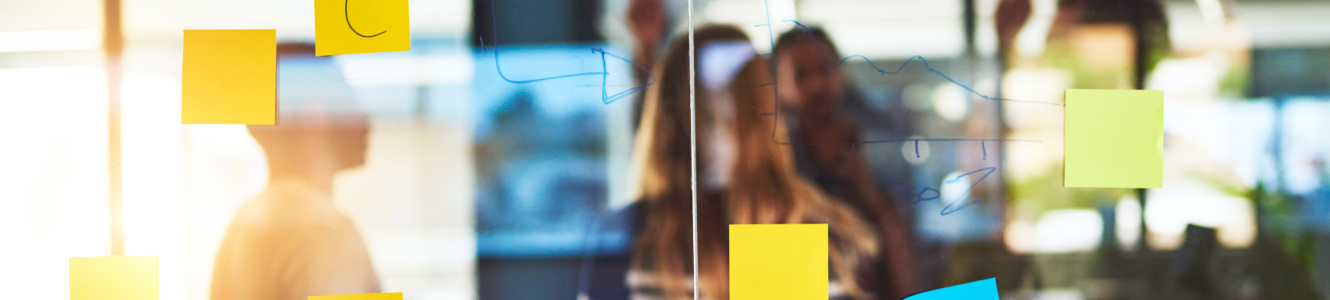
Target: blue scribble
926	66
923	194
604	73
948	210
982	142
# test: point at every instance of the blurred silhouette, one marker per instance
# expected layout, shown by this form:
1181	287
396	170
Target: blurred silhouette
650	22
811	91
291	241
647	19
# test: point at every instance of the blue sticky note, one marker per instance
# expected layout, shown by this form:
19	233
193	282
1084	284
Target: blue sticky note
979	290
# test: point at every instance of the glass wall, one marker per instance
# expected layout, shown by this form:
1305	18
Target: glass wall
522	149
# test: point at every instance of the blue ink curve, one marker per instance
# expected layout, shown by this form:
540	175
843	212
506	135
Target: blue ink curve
604	73
776	102
926	66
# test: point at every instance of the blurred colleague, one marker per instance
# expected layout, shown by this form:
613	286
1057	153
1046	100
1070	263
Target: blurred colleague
649	23
827	142
291	241
763	188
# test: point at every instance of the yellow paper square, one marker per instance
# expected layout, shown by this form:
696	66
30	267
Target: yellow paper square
229	77
376	296
360	26
1114	139
113	278
778	261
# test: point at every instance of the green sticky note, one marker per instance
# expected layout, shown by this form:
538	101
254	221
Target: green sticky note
779	262
1114	139
113	278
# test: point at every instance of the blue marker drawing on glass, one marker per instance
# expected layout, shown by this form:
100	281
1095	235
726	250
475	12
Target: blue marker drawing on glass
923	194
776	102
926	66
604	73
948	210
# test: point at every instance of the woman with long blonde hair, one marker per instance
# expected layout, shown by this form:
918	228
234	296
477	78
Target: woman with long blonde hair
764	187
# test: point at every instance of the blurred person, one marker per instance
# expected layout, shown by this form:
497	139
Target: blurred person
661	253
826	142
291	241
649	23
657	261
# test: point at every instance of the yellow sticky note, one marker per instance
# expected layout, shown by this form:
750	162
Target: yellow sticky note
113	278
778	261
376	296
229	77
1114	139
360	26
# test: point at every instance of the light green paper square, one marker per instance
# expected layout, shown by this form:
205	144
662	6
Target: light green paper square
1114	139
113	278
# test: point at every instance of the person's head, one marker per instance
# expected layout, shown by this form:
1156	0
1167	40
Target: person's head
664	136
663	156
805	63
320	130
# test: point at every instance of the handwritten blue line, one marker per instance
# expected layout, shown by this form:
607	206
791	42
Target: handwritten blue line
605	97
921	59
625	93
776	102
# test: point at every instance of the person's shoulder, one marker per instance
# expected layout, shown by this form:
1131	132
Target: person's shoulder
286	209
